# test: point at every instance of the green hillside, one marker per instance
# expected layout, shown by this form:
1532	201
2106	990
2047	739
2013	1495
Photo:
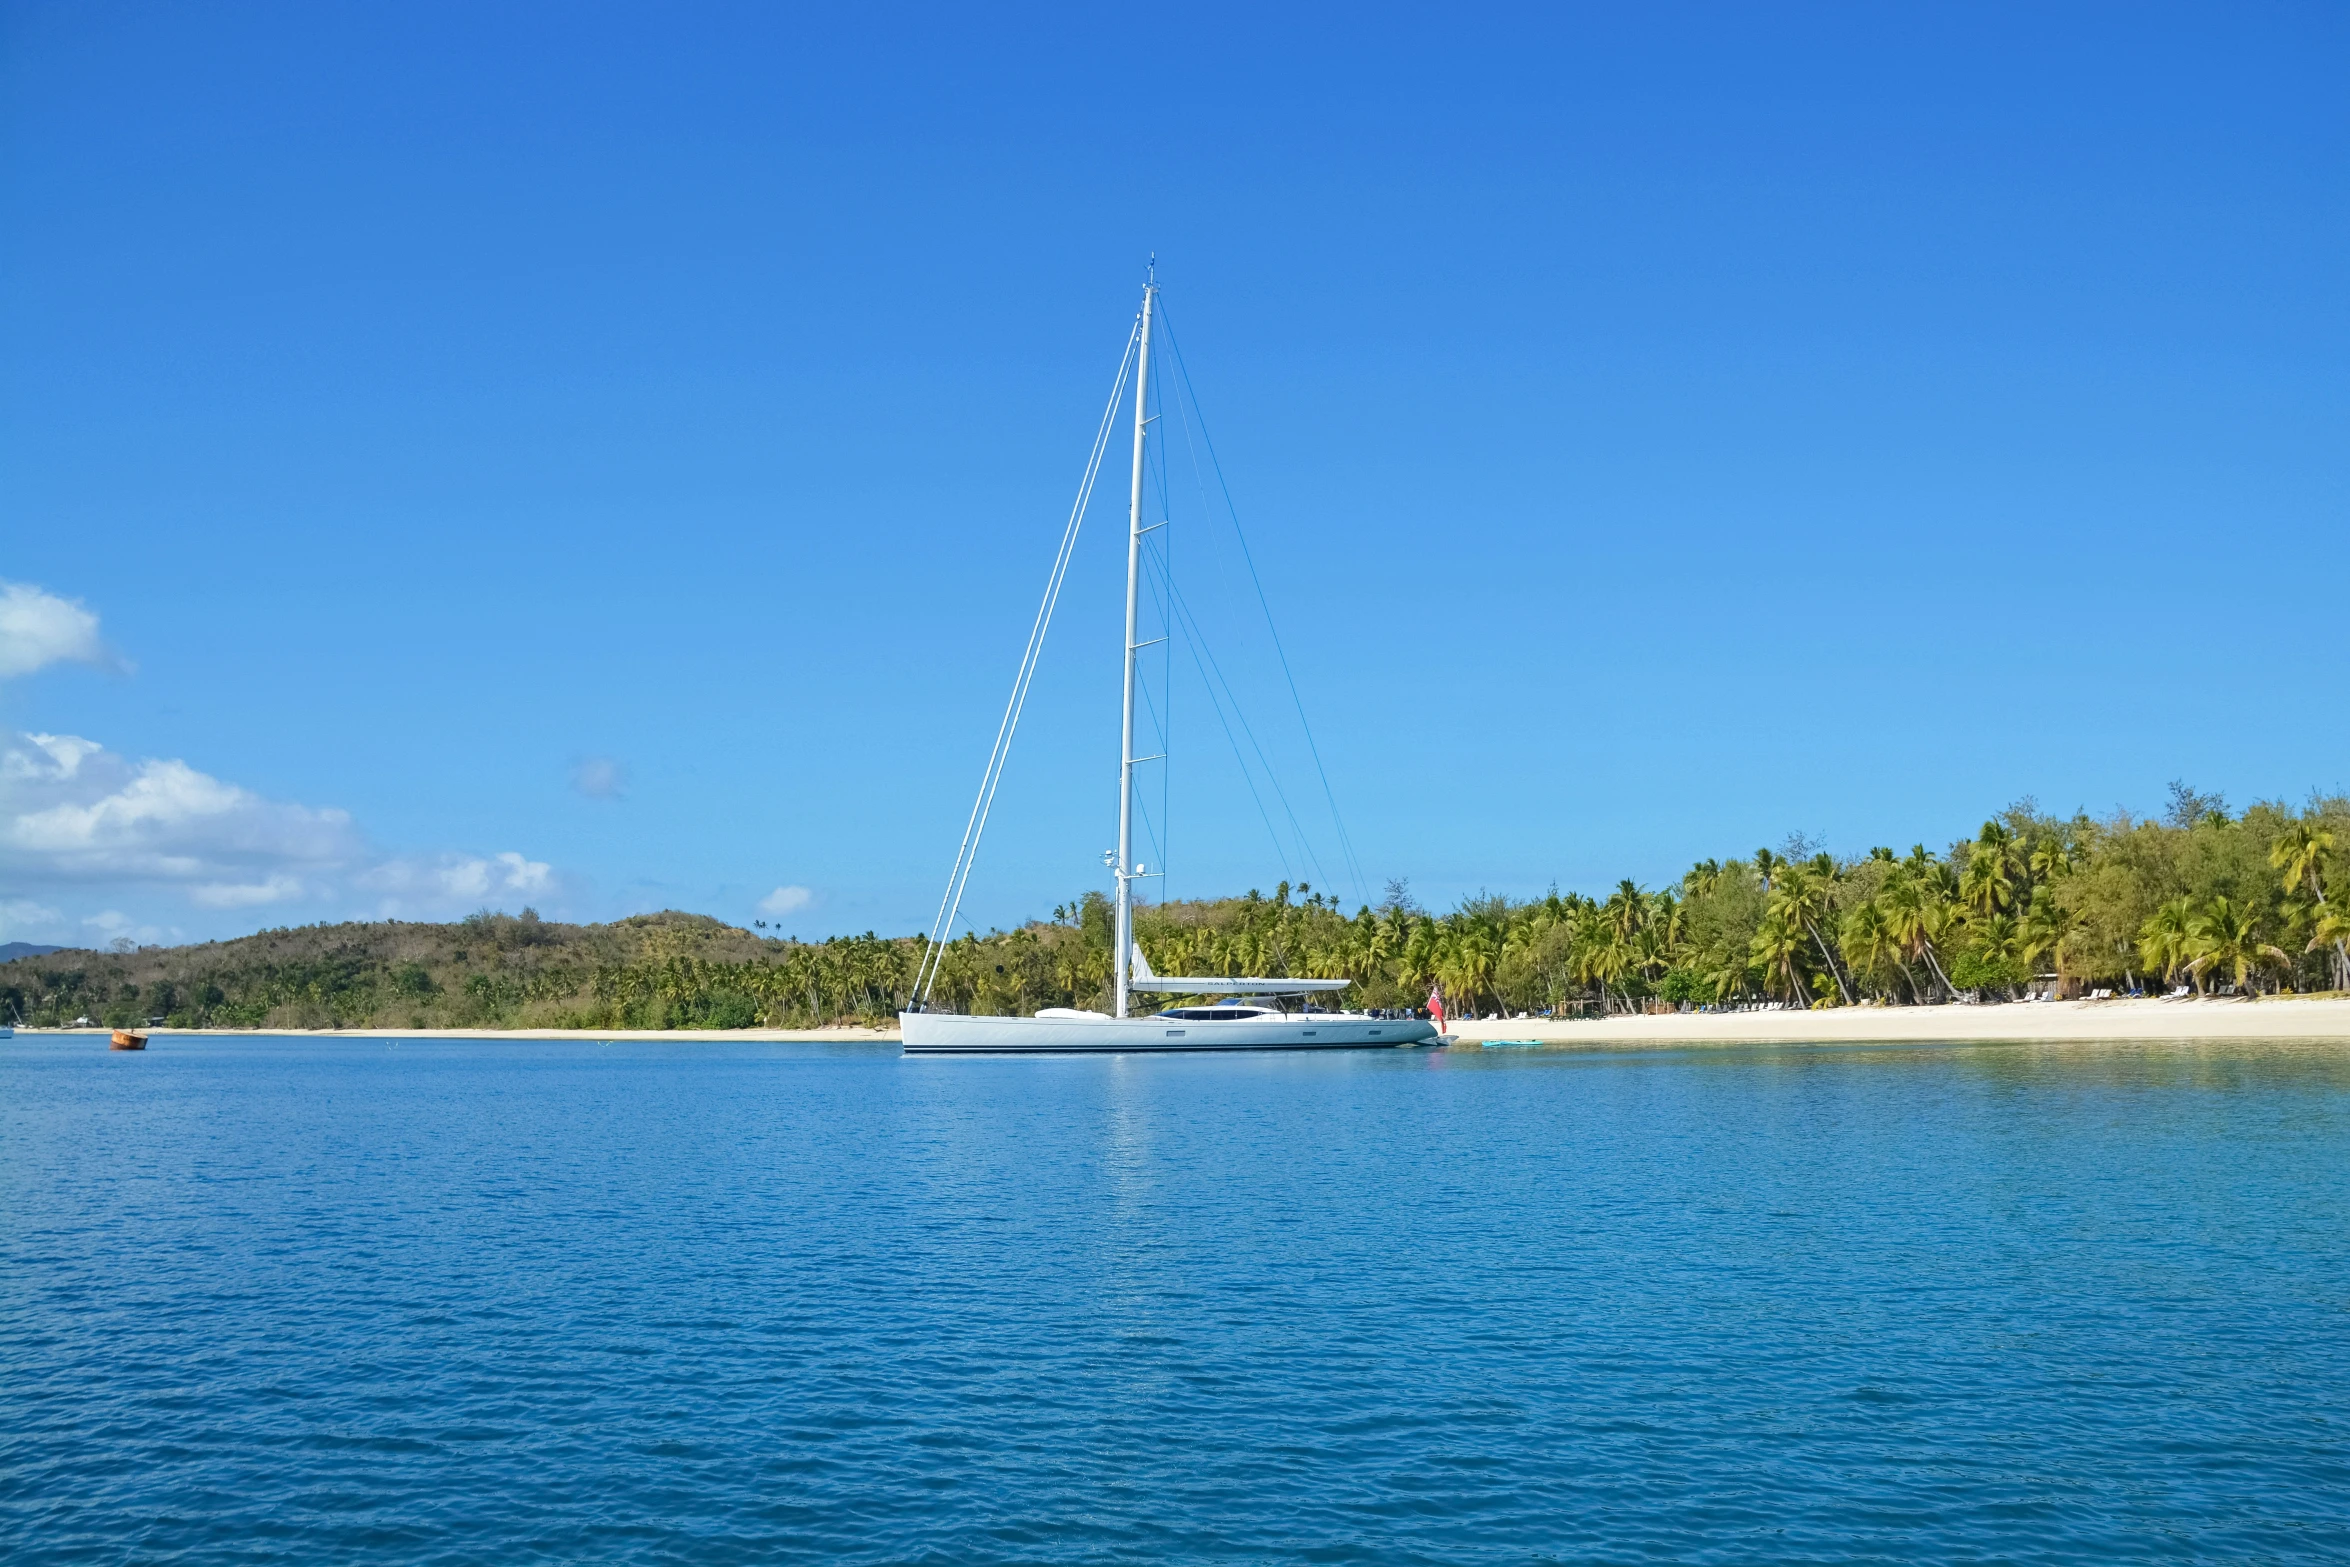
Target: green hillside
664	970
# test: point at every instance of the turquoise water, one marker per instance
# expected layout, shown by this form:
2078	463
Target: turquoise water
363	1301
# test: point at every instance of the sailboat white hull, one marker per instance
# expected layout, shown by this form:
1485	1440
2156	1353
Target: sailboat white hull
941	1033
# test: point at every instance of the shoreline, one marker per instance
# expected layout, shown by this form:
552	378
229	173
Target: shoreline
847	1034
2046	1022
2041	1022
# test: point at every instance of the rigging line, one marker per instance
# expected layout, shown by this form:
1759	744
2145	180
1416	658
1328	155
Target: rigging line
1160	575
967	853
1142	809
1197	642
1158	846
986	803
1166	561
1346	841
1279	852
960	879
1153	698
1305	843
1195	415
1272	775
1163	559
1308	857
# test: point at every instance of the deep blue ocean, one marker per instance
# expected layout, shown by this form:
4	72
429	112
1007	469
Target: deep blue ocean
366	1301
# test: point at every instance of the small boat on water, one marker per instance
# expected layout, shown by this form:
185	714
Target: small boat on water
1253	1011
124	1039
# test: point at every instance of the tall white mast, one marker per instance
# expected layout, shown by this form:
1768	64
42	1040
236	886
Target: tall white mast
1126	869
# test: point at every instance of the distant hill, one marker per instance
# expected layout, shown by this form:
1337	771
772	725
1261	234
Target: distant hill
10	951
667	970
488	971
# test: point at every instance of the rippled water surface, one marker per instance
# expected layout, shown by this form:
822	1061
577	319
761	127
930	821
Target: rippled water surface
361	1301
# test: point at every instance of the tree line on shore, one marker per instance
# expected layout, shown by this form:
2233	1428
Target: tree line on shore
2244	903
489	970
2201	898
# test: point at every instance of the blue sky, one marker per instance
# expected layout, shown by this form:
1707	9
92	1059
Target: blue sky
607	458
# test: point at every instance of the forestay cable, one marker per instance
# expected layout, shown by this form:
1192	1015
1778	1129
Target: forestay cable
951	904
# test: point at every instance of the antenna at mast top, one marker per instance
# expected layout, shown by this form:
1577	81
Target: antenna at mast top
1150	276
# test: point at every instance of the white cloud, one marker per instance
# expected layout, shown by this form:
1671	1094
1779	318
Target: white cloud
71	810
244	894
67	805
457	878
120	927
786	900
523	875
599	778
66	752
38	628
22	917
78	818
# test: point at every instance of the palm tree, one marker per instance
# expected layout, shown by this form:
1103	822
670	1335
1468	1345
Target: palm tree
1727	979
1474	959
1668	916
1627	908
1416	965
2332	925
1998	937
1915	912
1776	947
2301	851
2050	860
1525	942
1074	970
1801	901
1652	952
1389	933
2227	936
2045	929
1871	947
1988	885
1603	957
2163	941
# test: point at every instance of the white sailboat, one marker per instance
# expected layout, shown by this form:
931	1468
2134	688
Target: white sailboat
1248	1013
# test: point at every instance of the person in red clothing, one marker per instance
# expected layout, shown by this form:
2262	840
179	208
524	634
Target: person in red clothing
1436	1006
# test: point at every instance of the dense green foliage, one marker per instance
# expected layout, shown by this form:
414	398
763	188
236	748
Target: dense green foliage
2245	903
487	971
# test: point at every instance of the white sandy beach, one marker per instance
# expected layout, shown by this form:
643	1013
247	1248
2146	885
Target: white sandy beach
2050	1021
